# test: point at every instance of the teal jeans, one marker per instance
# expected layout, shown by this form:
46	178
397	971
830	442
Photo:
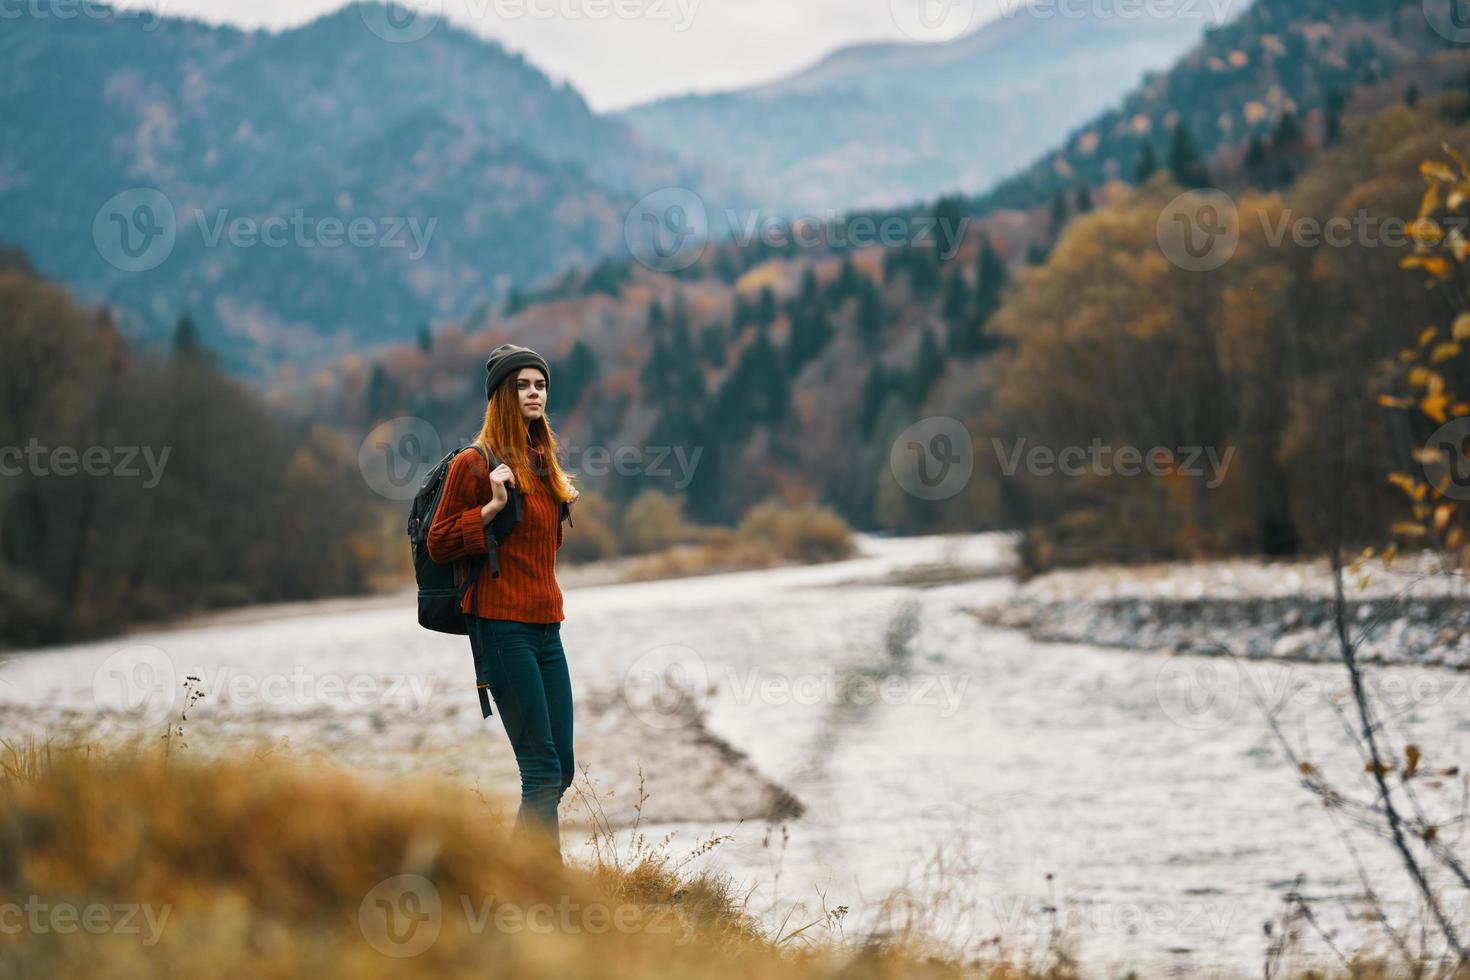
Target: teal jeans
525	668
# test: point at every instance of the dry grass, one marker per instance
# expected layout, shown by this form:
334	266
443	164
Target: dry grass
771	534
263	868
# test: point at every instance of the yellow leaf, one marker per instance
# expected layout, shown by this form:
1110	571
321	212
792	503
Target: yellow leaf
1461	329
1454	538
1419	377
1444	351
1411	759
1442	515
1460	408
1455	241
1390	553
1455	155
1407	484
1389	401
1434	403
1435	265
1426	231
1436	170
1426	455
1429	202
1426	335
1408	529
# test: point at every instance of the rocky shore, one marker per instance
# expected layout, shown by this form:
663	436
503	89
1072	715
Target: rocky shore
1407	613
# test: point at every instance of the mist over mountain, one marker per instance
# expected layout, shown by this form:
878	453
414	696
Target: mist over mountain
887	124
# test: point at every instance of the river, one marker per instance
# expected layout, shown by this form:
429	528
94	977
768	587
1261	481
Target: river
982	784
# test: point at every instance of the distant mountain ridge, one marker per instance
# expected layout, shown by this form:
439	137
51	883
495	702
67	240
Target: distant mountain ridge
882	124
329	121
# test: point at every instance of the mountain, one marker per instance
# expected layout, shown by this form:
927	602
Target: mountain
1292	61
463	170
879	125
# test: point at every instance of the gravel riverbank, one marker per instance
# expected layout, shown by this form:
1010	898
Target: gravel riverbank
1410	613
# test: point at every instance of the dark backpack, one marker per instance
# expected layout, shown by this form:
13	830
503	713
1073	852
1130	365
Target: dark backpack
441	596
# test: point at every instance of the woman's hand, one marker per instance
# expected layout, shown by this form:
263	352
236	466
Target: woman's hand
575	494
499	477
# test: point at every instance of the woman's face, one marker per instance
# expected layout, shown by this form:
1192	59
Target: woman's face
530	388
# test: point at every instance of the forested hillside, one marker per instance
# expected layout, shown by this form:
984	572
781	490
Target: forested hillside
796	368
305	193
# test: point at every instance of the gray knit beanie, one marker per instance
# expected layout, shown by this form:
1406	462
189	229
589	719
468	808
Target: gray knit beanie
507	359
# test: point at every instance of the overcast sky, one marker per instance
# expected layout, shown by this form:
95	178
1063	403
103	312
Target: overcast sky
618	52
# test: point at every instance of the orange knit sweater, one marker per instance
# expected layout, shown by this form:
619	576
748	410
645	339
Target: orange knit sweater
527	590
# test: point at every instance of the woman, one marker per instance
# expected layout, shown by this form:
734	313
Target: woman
515	619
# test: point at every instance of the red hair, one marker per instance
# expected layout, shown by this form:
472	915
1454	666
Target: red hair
527	449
